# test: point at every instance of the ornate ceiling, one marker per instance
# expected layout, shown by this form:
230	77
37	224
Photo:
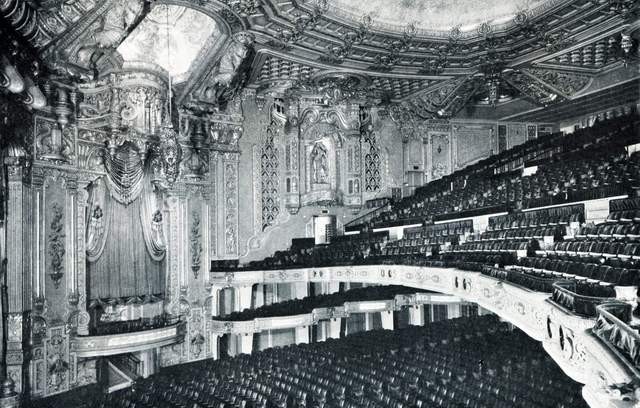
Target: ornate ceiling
170	36
432	57
433	15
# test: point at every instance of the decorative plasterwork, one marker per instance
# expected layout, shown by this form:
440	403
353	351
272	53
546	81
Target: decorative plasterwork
274	69
436	17
230	166
172	37
269	178
592	56
578	354
226	77
567	83
90	43
534	90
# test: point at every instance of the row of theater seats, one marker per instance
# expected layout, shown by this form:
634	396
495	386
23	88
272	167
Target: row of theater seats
600	170
445	364
610	231
526	233
591	251
570	269
547	217
307	304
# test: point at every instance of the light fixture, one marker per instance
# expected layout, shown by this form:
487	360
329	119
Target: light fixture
169	150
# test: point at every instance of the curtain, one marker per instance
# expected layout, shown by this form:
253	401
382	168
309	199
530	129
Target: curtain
97	220
151	221
124	267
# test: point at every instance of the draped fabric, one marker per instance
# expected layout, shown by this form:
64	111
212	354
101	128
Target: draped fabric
97	221
124	267
151	221
125	173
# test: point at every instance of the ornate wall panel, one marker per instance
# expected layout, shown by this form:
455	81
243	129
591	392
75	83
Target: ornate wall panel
440	148
517	134
372	161
473	142
213	207
502	138
57	361
230	166
269	177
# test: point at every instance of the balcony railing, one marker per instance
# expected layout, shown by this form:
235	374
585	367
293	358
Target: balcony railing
612	328
564	294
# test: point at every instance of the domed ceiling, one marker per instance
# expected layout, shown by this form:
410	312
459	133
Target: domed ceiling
170	36
433	15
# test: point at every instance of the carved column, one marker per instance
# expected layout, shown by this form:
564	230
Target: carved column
175	257
82	198
18	275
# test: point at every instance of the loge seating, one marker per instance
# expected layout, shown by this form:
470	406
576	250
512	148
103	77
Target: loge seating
446	364
307	304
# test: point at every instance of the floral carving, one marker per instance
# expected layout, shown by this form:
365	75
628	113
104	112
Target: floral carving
196	244
56	244
231	207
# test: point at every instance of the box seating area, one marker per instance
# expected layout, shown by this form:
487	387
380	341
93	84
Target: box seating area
307	304
131	326
585	171
446	364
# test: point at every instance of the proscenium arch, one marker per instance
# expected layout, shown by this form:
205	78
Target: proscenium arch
581	356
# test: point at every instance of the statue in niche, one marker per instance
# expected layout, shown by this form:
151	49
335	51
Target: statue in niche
319	167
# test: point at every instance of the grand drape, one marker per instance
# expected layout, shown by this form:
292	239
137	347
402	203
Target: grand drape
123	259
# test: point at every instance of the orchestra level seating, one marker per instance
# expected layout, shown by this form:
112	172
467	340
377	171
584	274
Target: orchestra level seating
446	364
